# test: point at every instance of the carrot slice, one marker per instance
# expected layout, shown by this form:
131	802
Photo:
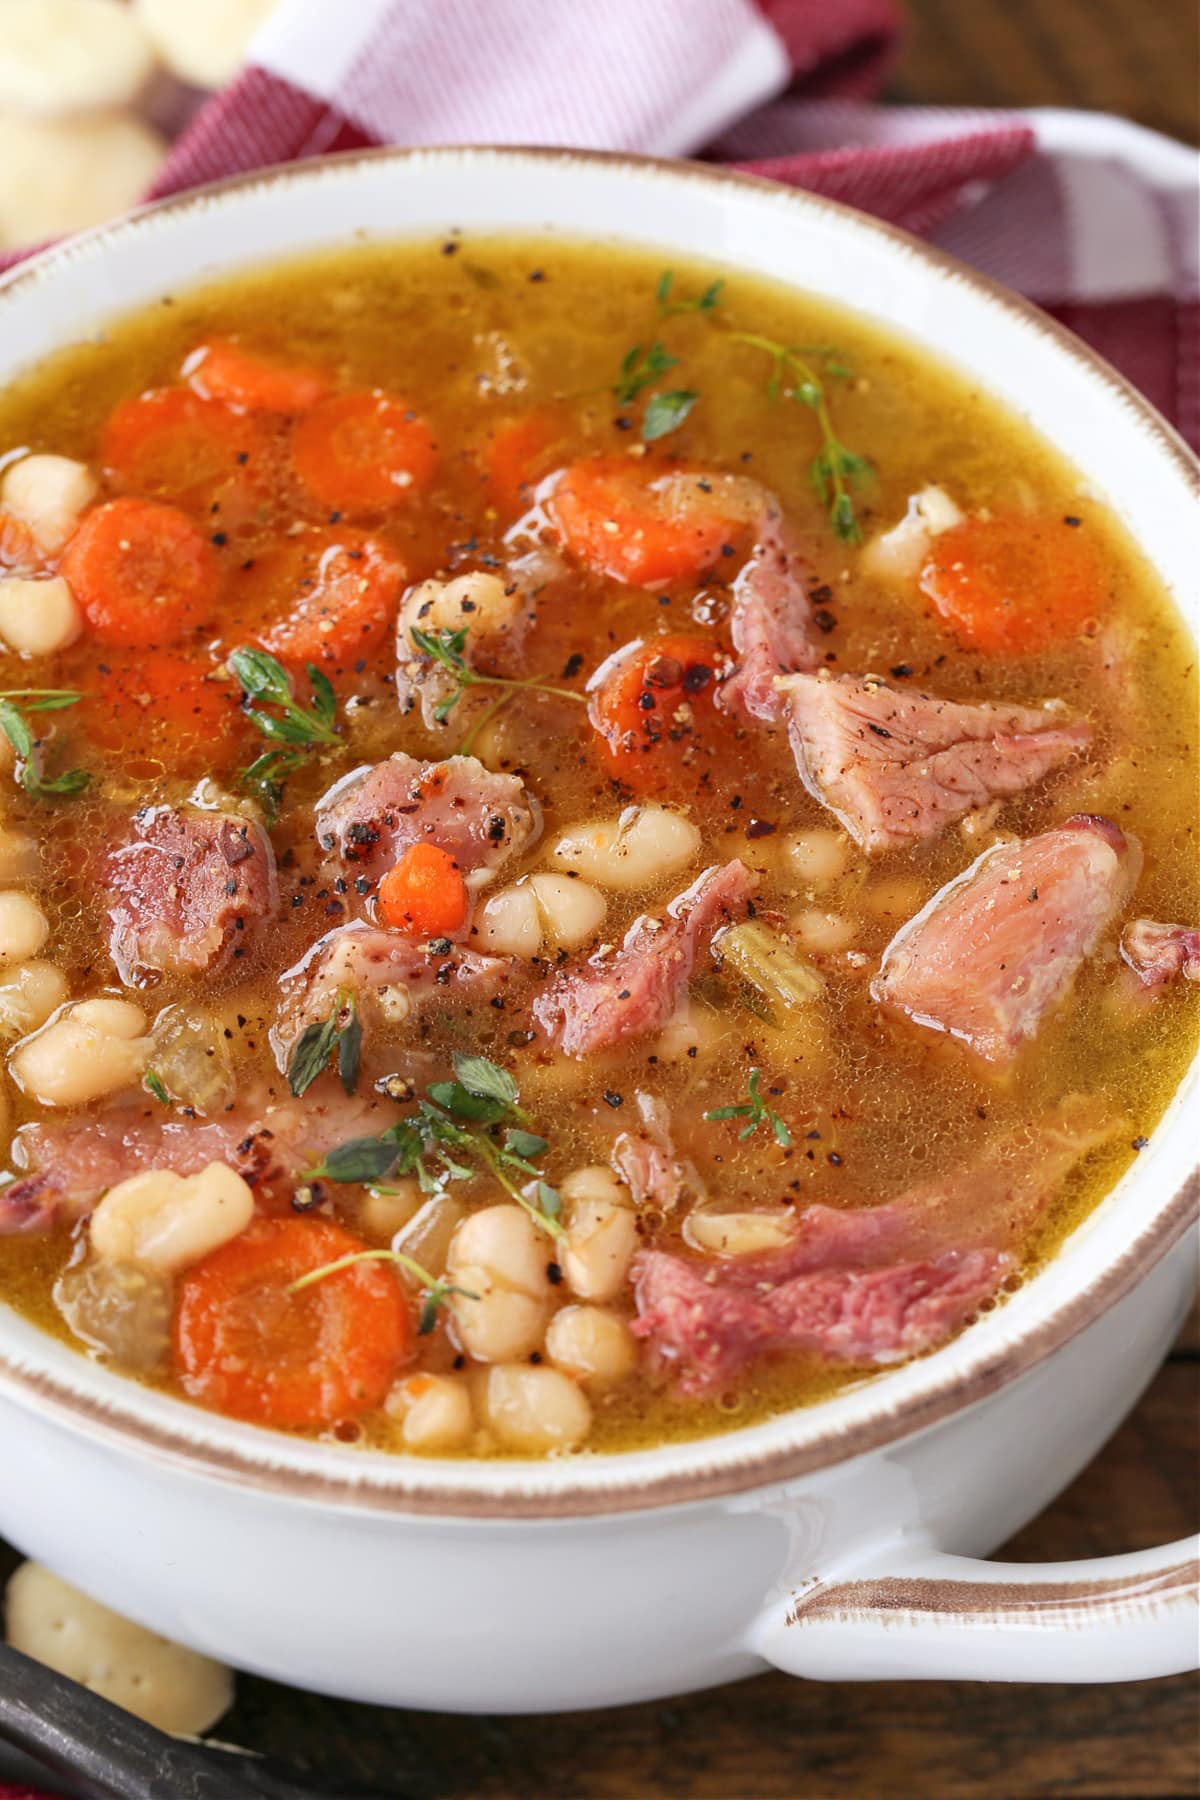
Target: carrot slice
221	370
616	522
246	1346
424	893
166	708
517	454
363	451
141	572
658	696
1013	583
172	444
334	594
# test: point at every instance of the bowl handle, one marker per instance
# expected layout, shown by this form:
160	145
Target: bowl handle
922	1615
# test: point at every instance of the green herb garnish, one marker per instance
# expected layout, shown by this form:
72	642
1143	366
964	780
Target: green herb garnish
446	647
644	364
17	730
266	683
153	1082
834	468
437	1291
318	1042
756	1112
450	1137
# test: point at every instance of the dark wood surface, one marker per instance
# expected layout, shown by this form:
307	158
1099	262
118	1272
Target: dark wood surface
773	1738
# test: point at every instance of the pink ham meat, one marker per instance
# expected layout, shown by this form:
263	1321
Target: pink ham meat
478	818
72	1163
1159	953
770	622
186	890
646	1160
636	991
389	975
999	945
896	768
866	1286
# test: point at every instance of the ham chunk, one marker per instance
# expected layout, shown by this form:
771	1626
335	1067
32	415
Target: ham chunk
389	975
636	991
478	818
866	1285
73	1163
997	947
646	1160
1159	953
186	890
897	767
770	623
708	1332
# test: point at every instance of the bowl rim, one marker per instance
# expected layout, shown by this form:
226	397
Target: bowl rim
386	1484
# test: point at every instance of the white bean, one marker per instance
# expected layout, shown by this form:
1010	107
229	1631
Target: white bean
519	919
434	1412
24	927
483	603
738	1233
20	858
38	617
535	1409
894	898
501	1256
591	1343
178	1690
572	910
383	1211
168	1222
82	1052
510	923
600	1236
817	857
29	993
823	931
47	494
642	847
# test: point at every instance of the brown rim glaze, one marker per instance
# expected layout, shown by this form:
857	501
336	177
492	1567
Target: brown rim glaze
405	1493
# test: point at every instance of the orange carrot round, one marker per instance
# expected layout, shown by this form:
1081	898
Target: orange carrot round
221	370
141	572
335	593
424	893
247	1346
614	521
364	451
1013	583
175	445
653	705
517	454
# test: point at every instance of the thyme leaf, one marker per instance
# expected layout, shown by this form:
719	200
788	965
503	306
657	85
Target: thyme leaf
19	733
318	1042
265	683
756	1112
644	364
666	412
448	648
153	1082
437	1290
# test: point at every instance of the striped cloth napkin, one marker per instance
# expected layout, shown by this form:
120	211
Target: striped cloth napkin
1091	217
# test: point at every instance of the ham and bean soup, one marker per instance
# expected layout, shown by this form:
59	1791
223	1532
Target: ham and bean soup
589	852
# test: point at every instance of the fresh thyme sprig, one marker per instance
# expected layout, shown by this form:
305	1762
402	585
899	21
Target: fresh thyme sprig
320	1040
446	647
19	733
644	364
756	1112
266	683
835	467
451	1137
437	1290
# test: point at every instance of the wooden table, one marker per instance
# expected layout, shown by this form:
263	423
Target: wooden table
772	1738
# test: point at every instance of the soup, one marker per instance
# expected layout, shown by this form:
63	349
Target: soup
591	852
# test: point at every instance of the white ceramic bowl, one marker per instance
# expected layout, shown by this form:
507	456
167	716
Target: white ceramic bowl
835	1541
